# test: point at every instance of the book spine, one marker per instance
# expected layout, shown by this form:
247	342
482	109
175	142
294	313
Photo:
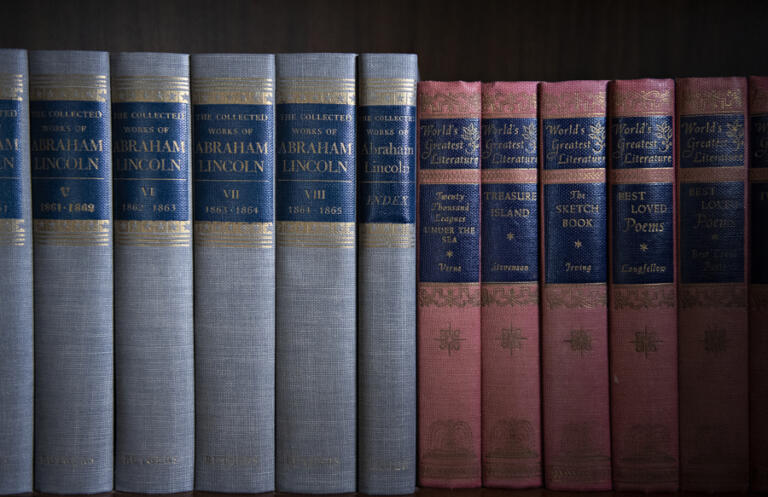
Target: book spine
758	282
387	274
316	273
448	309
643	311
234	271
16	309
511	383
153	273
712	300
70	144
574	316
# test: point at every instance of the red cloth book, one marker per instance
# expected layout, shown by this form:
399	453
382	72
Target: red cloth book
712	299
574	329
643	297
758	282
510	287
448	239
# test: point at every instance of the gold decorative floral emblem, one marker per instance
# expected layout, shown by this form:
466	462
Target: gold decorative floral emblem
597	135
663	132
471	135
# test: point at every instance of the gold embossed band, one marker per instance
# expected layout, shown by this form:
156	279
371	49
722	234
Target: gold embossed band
11	87
77	87
73	232
446	105
504	104
641	103
575	296
387	91
574	104
153	233
234	235
13	232
316	91
711	101
224	91
163	89
758	175
315	234
387	235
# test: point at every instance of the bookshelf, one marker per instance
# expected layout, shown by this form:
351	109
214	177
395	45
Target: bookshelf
488	40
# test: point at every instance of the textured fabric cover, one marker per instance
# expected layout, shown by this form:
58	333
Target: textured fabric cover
648	367
234	339
16	314
315	341
387	340
74	365
154	438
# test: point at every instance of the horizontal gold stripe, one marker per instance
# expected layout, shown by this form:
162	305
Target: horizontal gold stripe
42	226
123	226
149	95
155	245
641	175
512	175
575	296
70	94
211	233
758	174
226	97
449	176
388	97
150	78
387	235
320	96
315	234
500	104
561	176
711	174
432	284
12	226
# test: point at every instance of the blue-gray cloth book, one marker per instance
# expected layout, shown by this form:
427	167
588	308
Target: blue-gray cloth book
16	310
315	394
386	274
70	142
154	346
233	99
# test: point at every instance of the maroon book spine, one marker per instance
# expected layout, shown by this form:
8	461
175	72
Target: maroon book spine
758	282
712	295
643	297
510	287
574	259
448	313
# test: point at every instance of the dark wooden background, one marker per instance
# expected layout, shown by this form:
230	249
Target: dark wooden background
468	39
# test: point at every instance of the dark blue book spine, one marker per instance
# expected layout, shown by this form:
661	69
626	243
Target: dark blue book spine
154	346
387	274
16	311
72	210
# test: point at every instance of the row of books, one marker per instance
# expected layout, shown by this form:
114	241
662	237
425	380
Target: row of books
265	336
